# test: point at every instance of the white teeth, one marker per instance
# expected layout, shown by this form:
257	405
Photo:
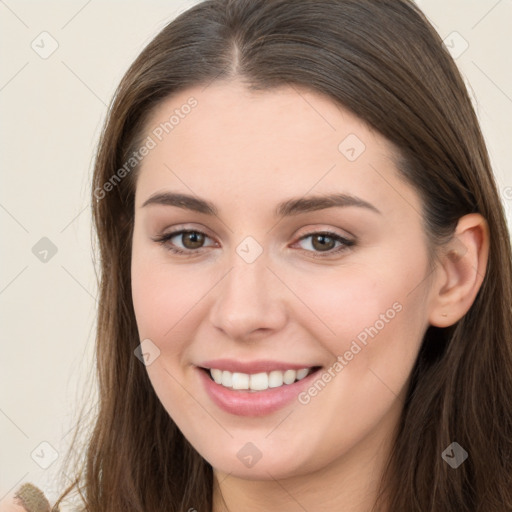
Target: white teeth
227	379
289	376
302	373
217	375
257	381
240	381
275	379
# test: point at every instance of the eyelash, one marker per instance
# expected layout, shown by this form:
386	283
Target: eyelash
346	244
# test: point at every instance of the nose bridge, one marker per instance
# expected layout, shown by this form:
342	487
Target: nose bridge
247	298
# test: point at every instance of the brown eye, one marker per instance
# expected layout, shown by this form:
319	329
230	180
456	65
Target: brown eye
192	239
185	241
322	242
325	243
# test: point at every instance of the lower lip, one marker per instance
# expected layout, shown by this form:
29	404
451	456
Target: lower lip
258	403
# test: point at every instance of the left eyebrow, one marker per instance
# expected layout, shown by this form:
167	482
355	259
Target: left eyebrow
184	201
293	206
312	203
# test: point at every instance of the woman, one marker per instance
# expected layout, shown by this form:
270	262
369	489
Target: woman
306	271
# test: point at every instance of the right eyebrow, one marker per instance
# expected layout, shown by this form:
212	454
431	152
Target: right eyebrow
182	201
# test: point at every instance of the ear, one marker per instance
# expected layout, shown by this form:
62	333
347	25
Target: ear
461	271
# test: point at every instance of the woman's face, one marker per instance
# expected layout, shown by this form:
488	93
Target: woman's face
305	251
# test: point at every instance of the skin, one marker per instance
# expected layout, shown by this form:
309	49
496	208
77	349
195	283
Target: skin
246	152
10	504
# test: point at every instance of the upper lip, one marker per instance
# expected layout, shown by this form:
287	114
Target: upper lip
257	366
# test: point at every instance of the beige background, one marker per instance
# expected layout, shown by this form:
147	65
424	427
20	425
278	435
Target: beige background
51	111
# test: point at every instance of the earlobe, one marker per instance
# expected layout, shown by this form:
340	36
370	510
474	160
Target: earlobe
462	268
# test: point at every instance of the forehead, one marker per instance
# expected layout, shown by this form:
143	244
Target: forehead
287	115
274	143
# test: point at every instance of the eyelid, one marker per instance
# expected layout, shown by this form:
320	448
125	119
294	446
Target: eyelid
346	235
185	228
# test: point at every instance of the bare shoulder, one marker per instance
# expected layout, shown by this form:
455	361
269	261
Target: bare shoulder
27	498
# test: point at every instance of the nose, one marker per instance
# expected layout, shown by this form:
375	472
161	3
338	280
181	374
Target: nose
249	301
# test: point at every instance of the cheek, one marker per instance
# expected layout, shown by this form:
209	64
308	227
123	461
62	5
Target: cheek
372	325
374	316
167	302
342	304
163	295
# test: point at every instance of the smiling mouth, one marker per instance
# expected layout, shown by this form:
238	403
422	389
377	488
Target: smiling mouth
258	381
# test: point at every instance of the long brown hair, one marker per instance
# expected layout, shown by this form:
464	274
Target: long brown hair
382	60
